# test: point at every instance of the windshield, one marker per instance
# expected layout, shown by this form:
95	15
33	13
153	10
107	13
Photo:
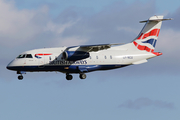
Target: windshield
29	56
21	56
25	56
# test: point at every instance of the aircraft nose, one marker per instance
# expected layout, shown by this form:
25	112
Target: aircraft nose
10	66
7	67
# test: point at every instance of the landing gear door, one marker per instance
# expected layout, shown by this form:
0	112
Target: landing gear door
82	68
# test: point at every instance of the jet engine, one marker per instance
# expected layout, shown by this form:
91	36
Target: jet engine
75	55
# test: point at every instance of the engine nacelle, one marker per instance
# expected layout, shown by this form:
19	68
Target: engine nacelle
75	55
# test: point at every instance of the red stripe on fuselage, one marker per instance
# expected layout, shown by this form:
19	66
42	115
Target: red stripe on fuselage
41	54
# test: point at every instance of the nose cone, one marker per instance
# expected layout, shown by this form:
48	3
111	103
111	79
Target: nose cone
10	66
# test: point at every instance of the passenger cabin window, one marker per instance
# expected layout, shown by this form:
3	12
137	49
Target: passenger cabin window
105	57
110	57
96	57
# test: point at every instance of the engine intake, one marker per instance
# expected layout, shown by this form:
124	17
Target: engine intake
75	55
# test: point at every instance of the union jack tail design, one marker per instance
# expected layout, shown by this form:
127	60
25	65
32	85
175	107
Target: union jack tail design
147	38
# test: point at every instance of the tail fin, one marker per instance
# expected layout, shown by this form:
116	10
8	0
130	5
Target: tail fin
147	38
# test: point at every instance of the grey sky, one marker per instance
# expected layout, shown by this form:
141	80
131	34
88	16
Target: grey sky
49	96
146	102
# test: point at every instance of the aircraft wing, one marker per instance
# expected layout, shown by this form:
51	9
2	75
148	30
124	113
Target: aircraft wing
91	48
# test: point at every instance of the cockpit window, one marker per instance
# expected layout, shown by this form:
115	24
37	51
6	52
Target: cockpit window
29	56
21	56
25	56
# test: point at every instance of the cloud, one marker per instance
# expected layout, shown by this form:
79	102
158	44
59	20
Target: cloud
71	41
116	22
169	38
146	102
21	27
17	27
175	22
36	28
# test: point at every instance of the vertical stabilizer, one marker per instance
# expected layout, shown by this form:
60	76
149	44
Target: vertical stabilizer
147	38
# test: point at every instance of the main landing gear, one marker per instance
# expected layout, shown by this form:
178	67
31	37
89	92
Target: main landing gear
82	76
70	77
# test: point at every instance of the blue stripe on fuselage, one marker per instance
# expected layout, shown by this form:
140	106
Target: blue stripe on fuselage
65	68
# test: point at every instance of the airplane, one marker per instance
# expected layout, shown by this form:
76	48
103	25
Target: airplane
88	58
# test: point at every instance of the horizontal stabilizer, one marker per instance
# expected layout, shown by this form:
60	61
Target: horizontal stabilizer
155	20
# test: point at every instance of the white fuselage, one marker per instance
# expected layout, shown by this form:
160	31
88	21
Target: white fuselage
51	59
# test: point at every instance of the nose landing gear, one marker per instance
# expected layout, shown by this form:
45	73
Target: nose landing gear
69	77
20	77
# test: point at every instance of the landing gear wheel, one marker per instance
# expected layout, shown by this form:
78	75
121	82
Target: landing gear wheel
69	77
82	76
20	77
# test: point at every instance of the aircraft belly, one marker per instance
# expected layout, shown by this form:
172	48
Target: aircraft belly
66	68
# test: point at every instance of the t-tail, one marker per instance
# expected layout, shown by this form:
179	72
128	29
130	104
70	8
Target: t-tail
147	38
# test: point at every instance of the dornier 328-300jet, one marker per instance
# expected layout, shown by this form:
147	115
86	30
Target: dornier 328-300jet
88	58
